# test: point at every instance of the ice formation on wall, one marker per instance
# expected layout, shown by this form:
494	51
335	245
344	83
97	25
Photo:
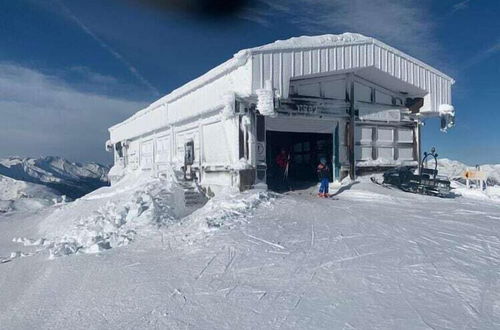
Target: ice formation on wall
265	103
447	114
229	100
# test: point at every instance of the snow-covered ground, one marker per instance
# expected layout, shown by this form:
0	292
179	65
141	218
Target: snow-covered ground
373	258
67	178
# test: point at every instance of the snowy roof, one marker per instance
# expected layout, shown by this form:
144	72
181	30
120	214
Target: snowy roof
331	40
326	40
293	44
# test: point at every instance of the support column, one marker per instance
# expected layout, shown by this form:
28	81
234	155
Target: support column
352	127
418	143
252	139
260	154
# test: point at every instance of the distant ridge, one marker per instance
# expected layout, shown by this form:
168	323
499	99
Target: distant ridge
71	179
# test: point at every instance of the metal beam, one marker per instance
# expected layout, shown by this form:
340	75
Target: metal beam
418	141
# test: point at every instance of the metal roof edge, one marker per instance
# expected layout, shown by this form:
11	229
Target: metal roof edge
413	59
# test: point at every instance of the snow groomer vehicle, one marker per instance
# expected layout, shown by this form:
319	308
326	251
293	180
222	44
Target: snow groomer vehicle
425	182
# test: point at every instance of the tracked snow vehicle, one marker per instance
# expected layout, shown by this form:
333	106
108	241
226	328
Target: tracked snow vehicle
426	182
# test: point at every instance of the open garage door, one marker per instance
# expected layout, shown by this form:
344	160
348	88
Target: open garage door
304	152
305	139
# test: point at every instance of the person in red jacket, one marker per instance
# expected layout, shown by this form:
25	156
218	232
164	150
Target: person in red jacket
283	162
282	159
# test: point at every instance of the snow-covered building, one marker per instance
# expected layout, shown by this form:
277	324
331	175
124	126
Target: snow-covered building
349	98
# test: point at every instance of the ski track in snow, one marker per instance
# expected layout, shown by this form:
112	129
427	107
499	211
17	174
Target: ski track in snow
375	258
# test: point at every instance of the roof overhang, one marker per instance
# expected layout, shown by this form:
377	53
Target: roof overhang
303	57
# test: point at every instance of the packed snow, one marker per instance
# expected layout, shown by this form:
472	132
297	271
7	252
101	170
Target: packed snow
71	179
132	256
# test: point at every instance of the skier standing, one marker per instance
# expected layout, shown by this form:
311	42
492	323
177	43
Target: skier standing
323	175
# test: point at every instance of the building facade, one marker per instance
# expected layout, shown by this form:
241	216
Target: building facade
348	98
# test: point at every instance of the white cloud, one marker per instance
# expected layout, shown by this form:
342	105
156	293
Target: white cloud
93	77
461	5
41	114
403	24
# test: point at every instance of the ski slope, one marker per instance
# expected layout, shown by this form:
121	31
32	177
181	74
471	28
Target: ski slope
375	258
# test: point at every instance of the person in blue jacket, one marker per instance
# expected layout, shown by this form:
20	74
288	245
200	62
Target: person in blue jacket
323	175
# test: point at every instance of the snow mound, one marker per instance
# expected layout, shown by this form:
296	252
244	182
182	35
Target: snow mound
110	226
18	195
110	217
71	179
136	206
229	206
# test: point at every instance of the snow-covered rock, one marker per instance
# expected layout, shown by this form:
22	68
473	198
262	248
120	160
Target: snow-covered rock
67	178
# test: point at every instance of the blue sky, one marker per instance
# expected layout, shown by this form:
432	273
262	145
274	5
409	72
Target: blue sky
70	69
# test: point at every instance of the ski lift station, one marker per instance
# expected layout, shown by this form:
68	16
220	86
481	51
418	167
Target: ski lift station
348	98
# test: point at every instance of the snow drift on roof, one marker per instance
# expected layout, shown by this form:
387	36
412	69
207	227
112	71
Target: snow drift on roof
326	40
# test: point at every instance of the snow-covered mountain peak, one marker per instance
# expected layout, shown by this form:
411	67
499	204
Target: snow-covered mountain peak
68	178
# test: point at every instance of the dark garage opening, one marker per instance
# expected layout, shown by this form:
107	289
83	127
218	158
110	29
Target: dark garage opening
305	149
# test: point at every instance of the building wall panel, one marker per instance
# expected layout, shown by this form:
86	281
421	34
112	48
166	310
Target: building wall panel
214	135
163	148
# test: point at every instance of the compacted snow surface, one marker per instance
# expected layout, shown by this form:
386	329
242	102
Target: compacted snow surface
373	258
